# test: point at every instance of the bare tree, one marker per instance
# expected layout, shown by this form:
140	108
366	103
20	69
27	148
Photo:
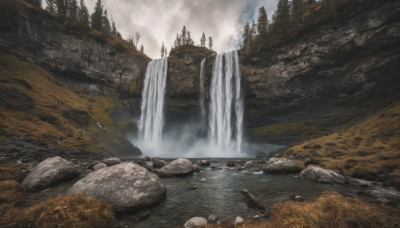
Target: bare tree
137	38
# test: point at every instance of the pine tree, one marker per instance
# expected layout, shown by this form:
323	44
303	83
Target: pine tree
73	9
114	29
165	52
184	35
253	33
282	14
210	43
162	50
178	41
50	6
189	39
246	35
61	6
203	40
83	14
96	19
142	48
297	11
106	28
262	22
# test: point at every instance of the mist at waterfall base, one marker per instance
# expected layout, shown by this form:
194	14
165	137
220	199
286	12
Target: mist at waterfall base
217	130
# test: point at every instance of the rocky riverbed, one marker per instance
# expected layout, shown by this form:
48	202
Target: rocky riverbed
195	187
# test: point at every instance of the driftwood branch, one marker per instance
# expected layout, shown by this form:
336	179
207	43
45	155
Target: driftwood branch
251	200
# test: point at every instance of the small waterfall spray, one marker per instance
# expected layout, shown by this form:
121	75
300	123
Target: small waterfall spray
226	102
152	116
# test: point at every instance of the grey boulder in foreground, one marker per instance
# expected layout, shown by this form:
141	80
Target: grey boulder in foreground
127	186
48	173
321	175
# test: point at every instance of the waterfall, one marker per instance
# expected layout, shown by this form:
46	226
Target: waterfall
226	102
202	107
152	115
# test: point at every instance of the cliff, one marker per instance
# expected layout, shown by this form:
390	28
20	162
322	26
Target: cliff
83	73
71	49
325	77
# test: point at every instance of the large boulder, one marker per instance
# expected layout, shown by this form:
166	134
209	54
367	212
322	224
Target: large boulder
321	175
127	186
48	173
178	167
281	165
196	222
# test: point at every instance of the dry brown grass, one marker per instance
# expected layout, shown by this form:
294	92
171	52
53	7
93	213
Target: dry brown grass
365	150
45	122
62	211
330	210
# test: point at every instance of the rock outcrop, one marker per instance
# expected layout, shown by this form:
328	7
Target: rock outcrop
127	186
321	175
75	51
281	165
329	67
48	173
178	167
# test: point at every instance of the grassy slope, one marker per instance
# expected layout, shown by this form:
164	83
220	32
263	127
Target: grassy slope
365	150
60	115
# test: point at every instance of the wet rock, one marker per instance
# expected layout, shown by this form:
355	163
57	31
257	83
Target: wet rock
147	159
48	173
321	175
212	219
202	163
202	180
99	166
196	169
149	166
127	186
158	163
230	164
238	220
251	164
111	161
295	197
196	222
178	167
387	193
281	165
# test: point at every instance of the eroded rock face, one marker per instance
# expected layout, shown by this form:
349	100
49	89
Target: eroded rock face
321	175
48	173
281	165
127	186
178	167
74	52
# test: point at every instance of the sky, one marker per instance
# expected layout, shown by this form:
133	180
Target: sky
160	20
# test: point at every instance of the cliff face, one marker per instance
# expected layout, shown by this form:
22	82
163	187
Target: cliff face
336	66
61	85
77	52
183	83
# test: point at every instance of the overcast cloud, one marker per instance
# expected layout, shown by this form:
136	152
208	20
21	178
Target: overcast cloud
161	20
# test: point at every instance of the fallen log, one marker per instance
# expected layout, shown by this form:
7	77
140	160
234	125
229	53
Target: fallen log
251	200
